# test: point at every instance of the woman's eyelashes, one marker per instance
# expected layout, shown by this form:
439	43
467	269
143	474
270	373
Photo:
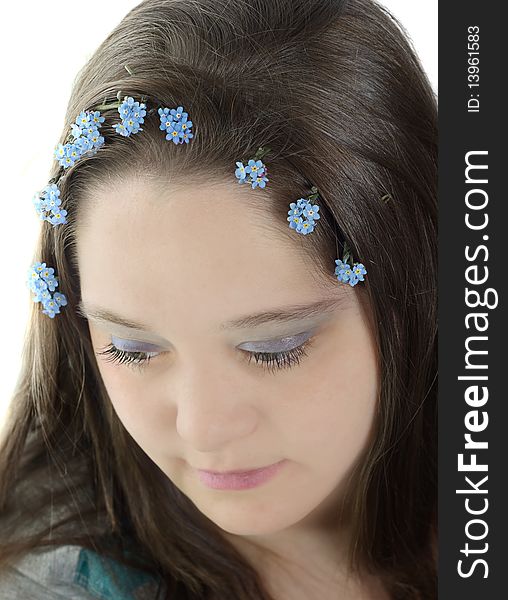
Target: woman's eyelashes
272	355
128	352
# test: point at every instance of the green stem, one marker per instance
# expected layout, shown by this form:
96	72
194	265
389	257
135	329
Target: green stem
107	106
260	152
314	193
347	253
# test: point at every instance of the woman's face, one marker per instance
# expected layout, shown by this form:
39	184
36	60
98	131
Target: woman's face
210	285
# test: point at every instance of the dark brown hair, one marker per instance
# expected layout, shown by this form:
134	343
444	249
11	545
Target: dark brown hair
336	92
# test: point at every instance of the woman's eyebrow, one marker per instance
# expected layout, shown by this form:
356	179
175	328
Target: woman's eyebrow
277	315
286	314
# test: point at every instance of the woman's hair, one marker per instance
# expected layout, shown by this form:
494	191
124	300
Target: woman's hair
334	89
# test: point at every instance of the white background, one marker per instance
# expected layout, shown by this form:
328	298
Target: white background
43	45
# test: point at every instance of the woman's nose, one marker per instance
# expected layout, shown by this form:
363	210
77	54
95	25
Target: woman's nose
212	408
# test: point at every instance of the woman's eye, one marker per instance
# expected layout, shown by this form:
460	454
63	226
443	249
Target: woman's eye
274	361
134	359
271	361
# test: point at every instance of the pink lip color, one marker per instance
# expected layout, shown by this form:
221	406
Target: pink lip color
239	481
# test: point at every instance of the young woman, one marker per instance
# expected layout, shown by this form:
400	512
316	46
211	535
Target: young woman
200	328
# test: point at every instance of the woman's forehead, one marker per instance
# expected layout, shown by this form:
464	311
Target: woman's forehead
193	249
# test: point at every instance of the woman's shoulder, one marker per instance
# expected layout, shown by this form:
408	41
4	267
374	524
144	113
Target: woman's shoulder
74	573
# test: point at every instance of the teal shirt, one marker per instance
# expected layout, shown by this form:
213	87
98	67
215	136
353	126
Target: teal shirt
126	583
74	573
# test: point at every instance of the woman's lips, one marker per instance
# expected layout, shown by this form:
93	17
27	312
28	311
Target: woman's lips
239	480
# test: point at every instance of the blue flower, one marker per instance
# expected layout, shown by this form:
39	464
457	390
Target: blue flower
85	131
347	274
260	181
254	168
303	208
255	173
83	144
121	129
294	209
360	270
125	108
72	153
240	172
132	114
186	137
306	227
82	119
46	273
138	112
175	122
60	299
294	221
36	284
52	284
95	118
311	211
178	113
353	279
97	140
60	152
51	308
77	131
343	272
174	132
58	217
132	125
40	205
48	201
41	281
42	296
165	117
186	125
52	192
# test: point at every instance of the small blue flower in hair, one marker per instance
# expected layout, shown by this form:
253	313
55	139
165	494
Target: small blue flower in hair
176	124
342	270
47	205
87	139
41	281
254	172
347	274
358	272
132	114
302	214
